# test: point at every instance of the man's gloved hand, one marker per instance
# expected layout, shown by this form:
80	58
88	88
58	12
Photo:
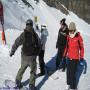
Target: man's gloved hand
11	54
84	72
81	61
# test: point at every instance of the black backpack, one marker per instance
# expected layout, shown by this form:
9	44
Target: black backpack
32	43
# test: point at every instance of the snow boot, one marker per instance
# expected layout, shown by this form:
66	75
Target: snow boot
57	68
67	87
41	74
63	69
32	87
18	84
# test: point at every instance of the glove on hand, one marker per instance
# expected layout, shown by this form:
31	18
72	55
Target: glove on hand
81	61
84	72
11	54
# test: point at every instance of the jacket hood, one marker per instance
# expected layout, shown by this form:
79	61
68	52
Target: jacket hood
76	33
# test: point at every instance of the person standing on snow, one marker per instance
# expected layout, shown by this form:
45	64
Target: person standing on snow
61	43
75	52
44	34
29	41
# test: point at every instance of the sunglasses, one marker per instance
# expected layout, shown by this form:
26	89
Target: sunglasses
29	24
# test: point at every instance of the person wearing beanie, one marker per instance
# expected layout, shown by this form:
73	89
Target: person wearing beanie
29	41
63	20
75	52
60	45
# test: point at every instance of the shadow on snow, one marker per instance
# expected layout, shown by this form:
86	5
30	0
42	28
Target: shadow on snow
51	66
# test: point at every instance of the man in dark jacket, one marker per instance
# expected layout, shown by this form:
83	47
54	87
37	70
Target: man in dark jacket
29	41
61	43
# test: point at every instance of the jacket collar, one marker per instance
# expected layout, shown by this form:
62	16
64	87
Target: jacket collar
73	35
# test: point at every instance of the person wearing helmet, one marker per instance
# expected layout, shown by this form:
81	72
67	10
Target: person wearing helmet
44	34
60	45
29	41
75	52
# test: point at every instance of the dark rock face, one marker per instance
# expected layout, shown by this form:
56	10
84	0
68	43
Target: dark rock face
79	7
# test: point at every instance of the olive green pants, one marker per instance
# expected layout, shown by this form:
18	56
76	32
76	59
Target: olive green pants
25	62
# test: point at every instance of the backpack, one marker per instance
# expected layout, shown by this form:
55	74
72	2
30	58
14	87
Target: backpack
32	43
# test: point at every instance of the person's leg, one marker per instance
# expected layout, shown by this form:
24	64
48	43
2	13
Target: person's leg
41	62
33	68
63	59
64	64
21	71
73	72
59	58
68	73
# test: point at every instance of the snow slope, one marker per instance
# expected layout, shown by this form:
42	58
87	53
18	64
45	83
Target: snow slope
15	16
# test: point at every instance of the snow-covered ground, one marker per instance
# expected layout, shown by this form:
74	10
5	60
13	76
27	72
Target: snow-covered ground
15	16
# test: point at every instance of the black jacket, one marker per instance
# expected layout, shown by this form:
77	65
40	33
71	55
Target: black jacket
61	40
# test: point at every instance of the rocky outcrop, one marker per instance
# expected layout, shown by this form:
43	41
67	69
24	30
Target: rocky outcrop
58	5
79	7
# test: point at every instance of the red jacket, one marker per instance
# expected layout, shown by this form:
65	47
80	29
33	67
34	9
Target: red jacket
75	48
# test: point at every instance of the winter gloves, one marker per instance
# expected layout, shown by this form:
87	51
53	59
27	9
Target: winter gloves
81	61
83	64
11	54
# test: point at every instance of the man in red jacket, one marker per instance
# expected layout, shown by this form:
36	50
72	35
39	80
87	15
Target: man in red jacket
75	52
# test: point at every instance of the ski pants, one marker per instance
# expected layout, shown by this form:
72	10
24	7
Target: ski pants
71	73
41	61
60	57
25	62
